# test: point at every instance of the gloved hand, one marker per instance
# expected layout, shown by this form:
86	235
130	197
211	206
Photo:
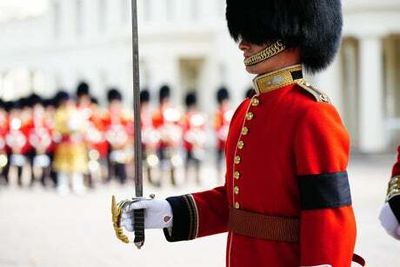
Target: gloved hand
157	214
389	221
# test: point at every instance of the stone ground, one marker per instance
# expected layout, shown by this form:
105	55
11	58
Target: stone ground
40	229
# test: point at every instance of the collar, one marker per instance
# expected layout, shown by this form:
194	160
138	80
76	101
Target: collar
274	80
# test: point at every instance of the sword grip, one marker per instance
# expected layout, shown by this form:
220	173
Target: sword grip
139	228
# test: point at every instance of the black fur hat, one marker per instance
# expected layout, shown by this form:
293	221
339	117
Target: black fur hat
222	94
190	99
61	97
165	92
144	96
314	26
113	94
82	89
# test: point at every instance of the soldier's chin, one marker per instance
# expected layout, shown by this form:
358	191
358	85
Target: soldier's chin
254	69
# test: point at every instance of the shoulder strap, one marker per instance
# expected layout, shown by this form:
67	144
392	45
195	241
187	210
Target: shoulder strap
318	95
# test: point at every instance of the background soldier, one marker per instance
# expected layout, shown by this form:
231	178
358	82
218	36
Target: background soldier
286	199
119	136
194	136
40	139
70	158
222	120
390	212
3	148
166	121
150	138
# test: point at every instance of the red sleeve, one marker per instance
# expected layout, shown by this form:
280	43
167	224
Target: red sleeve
396	167
197	215
327	230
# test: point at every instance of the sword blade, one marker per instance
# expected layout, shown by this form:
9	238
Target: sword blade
139	214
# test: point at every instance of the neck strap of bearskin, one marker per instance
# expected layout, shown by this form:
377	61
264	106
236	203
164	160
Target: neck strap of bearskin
270	51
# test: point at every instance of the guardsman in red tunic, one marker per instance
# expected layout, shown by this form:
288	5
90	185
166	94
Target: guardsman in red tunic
390	212
150	138
286	200
3	132
40	139
166	120
222	120
119	136
194	136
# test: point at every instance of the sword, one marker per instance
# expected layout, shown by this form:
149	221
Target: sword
139	214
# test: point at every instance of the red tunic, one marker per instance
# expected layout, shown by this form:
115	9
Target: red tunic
286	156
396	167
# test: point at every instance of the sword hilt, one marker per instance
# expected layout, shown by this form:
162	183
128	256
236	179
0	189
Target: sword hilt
139	228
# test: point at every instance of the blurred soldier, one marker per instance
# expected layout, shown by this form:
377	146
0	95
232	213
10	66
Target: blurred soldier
97	144
3	132
40	139
49	115
84	105
17	137
70	158
150	138
166	121
286	200
118	125
250	92
222	120
390	212
194	136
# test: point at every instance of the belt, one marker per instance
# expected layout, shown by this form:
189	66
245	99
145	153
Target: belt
273	228
260	226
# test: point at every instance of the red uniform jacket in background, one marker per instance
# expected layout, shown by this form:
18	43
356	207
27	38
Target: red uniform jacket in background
286	156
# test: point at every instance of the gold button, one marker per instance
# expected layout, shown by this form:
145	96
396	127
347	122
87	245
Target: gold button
236	190
240	144
236	175
237	160
245	131
249	116
255	102
237	205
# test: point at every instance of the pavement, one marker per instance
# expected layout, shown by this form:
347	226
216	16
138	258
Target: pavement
38	228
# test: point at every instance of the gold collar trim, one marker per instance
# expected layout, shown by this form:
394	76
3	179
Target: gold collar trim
270	81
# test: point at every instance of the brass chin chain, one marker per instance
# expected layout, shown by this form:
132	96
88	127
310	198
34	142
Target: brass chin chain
265	54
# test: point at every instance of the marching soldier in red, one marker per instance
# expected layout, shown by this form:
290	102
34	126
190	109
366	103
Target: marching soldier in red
286	200
222	120
194	136
40	139
150	137
390	212
4	161
166	120
118	125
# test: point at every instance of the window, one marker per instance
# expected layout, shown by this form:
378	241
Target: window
79	18
102	15
170	10
56	19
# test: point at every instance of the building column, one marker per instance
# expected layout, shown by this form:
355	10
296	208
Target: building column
371	139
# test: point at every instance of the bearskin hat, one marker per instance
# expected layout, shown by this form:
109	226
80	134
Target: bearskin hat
144	96
114	94
222	94
250	92
61	97
34	100
82	89
313	26
165	92
190	99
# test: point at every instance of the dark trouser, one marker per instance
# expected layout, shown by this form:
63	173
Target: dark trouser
192	160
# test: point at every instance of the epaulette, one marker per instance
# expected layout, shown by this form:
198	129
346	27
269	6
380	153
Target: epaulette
316	93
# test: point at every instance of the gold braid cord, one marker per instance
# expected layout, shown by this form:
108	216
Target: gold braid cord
265	54
116	210
393	188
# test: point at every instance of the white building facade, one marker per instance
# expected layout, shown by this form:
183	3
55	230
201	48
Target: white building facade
185	44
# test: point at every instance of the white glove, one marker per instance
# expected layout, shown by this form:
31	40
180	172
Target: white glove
389	221
157	214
